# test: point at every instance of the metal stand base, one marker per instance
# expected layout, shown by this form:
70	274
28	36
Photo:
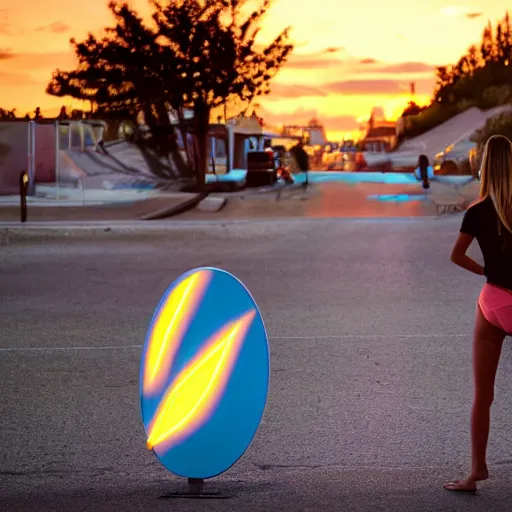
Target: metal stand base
195	491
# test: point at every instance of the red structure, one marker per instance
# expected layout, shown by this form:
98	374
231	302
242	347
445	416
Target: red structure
26	146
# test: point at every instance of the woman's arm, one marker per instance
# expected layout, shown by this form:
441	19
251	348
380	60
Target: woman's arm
460	258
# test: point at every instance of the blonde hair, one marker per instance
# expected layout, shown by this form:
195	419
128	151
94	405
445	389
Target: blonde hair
496	177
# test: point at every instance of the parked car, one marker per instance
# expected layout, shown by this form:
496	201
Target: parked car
315	154
455	159
331	157
346	157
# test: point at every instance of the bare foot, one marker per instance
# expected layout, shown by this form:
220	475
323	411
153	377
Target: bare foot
468	484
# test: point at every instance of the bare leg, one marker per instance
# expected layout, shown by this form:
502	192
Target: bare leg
487	344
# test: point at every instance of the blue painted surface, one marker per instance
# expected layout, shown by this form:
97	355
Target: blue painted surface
135	185
217	444
234	175
391	178
430	173
399	198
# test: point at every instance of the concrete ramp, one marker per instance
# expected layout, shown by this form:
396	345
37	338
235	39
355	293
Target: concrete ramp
69	171
460	126
126	168
436	140
131	158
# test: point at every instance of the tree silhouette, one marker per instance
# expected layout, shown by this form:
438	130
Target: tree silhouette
473	58
487	48
481	68
7	115
199	56
481	78
77	115
412	109
121	74
63	114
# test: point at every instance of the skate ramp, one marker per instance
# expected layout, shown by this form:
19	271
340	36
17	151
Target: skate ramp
461	126
436	140
128	157
125	168
69	170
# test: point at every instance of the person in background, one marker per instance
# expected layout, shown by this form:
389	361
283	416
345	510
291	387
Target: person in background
302	159
301	156
424	172
489	220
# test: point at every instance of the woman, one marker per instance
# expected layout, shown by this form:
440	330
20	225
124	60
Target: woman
490	222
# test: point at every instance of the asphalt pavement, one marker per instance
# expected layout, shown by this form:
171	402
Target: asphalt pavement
370	333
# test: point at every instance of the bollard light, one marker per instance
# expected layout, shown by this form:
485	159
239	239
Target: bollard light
24	182
204	374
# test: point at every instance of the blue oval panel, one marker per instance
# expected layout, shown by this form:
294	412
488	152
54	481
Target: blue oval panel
204	374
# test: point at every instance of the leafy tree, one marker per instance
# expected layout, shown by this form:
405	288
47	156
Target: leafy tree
481	67
482	77
122	74
500	125
473	59
6	115
412	109
77	115
63	114
198	56
487	47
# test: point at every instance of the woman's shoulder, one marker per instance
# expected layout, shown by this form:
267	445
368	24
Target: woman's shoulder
477	215
481	204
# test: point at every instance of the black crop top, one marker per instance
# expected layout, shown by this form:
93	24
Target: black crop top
481	221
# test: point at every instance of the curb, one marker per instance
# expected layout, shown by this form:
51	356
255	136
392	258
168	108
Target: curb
131	225
177	209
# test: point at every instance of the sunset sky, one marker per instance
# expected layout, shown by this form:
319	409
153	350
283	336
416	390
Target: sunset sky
350	55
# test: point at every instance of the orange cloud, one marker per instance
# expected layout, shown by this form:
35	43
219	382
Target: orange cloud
57	27
314	69
382	87
16	79
359	87
303	116
6	53
295	91
300	62
355	87
7	28
314	60
368	61
398	68
42	61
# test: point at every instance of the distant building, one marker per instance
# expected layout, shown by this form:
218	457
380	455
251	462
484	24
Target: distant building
312	134
381	138
381	134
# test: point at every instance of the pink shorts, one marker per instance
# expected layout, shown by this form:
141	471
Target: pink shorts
496	306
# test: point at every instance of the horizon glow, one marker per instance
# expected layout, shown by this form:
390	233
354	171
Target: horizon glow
348	57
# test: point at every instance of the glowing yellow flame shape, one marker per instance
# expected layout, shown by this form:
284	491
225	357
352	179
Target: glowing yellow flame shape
195	393
170	327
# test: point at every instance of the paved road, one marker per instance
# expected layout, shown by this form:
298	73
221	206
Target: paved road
369	329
